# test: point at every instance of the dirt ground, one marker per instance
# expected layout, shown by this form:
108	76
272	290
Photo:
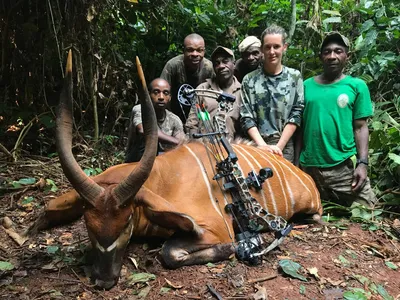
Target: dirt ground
338	261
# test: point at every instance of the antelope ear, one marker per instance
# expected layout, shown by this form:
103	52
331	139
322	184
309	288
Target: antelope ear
161	212
64	209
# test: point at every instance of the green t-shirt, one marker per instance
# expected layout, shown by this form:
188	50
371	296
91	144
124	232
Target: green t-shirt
328	120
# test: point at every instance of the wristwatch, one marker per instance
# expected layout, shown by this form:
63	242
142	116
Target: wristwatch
362	161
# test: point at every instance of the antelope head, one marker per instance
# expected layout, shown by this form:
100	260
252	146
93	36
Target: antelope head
107	209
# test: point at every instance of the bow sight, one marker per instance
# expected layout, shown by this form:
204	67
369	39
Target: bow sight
250	218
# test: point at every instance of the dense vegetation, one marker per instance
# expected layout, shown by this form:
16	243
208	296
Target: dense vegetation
107	35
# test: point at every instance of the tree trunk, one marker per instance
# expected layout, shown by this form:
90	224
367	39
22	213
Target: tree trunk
292	20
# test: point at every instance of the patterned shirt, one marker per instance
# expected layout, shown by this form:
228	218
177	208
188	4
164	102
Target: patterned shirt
225	111
171	125
176	74
269	102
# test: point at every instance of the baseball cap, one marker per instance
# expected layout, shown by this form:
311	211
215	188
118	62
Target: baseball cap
221	49
248	42
335	36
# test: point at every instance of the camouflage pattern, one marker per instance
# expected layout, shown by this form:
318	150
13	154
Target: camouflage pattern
241	69
175	73
334	184
224	115
270	102
171	125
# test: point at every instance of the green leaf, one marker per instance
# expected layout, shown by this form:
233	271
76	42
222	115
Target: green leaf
354	296
343	260
52	249
367	25
331	12
210	265
27	181
6	266
141	277
385	295
164	290
395	158
302	290
50	183
332	20
380	12
391	265
291	268
144	292
362	279
27	200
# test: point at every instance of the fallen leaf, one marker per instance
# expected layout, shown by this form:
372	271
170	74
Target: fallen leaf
65	238
144	292
20	240
295	232
49	241
216	270
391	265
7	223
291	268
141	277
134	262
334	282
6	266
314	272
50	266
175	286
261	294
164	290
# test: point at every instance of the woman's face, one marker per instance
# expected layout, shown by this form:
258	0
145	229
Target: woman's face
273	49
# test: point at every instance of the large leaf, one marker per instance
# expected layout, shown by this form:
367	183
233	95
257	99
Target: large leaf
367	25
291	268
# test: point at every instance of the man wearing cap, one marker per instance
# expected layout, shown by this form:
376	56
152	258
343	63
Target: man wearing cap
190	67
335	130
250	59
224	115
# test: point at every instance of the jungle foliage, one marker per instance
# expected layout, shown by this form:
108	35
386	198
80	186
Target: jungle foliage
107	35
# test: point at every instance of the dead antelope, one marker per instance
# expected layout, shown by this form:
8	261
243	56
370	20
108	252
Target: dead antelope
179	200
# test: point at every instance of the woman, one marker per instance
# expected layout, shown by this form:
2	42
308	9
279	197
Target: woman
273	98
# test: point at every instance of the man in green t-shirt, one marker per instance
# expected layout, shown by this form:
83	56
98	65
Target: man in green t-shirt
335	130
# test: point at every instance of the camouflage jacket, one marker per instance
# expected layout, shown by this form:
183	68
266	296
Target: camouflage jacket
176	74
225	112
270	102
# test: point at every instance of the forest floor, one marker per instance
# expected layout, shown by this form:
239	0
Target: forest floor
342	260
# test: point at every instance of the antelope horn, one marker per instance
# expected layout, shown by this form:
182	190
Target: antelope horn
131	185
84	185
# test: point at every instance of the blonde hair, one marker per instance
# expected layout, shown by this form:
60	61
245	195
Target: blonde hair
274	29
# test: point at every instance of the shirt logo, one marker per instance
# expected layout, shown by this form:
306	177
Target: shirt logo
342	100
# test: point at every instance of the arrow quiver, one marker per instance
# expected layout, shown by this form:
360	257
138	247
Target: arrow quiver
250	218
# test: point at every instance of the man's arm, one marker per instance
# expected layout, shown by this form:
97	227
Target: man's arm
162	137
361	136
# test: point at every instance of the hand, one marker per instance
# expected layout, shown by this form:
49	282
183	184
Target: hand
271	148
359	177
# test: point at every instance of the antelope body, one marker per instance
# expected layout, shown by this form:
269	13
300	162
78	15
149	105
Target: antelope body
179	200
